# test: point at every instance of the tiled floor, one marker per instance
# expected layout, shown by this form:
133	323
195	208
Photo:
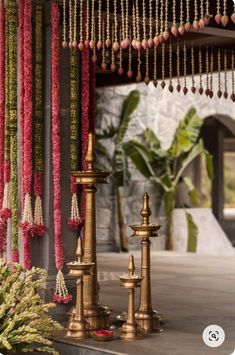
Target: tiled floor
192	291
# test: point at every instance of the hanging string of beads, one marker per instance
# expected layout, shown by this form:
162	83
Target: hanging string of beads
150	40
202	19
166	34
185	89
218	15
200	71
211	73
232	97
147	80
75	43
144	41
139	77
160	37
130	72
225	18
219	93
70	24
193	89
108	40
156	38
174	29
163	84
181	29
64	43
87	23
103	64
178	87
225	75
207	16
207	92
196	22
188	24
155	64
99	43
171	88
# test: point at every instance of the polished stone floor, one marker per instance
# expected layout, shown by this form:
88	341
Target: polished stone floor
192	291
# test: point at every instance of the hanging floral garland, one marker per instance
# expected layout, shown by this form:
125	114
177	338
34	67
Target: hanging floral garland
6	212
61	293
12	37
75	221
27	216
38	228
2	123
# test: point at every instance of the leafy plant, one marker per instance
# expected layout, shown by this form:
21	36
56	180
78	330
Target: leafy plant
118	159
166	168
24	322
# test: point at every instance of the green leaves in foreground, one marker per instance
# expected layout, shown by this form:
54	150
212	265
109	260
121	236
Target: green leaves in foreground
24	320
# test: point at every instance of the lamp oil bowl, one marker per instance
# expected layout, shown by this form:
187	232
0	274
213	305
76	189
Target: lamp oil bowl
146	317
130	329
102	335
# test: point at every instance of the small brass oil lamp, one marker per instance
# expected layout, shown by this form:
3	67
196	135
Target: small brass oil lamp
130	329
147	318
78	327
97	315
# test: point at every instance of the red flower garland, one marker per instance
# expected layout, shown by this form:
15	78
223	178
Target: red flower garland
3	224
27	218
25	15
61	294
92	97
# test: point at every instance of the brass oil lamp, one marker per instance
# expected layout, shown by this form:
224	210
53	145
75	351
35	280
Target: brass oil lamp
130	329
97	315
78	327
147	318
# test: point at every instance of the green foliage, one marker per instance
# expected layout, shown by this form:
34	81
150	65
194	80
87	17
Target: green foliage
166	168
24	320
192	233
118	159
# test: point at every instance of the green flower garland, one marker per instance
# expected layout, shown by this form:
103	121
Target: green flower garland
38	228
73	111
12	95
75	221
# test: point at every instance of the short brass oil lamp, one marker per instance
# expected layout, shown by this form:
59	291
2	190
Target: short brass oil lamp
147	318
78	327
97	315
130	329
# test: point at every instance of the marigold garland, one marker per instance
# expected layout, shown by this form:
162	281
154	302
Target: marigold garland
12	37
75	221
61	293
2	122
38	228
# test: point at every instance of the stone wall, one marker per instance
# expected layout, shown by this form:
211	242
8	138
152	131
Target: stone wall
161	111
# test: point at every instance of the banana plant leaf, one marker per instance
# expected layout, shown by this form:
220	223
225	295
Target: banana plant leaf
186	134
129	106
192	191
140	156
192	233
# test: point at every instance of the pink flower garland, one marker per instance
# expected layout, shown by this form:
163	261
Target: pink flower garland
61	294
92	97
25	15
3	225
26	120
